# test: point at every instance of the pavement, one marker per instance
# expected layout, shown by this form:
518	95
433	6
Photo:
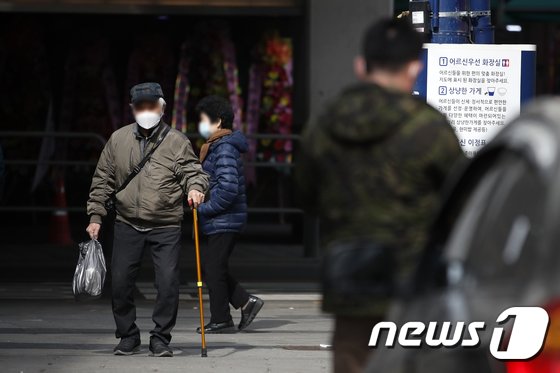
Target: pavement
43	329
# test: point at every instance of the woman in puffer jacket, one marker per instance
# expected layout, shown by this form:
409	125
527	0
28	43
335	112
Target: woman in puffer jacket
224	214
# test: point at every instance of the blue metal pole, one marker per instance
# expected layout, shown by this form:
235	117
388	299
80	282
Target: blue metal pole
483	31
454	26
435	18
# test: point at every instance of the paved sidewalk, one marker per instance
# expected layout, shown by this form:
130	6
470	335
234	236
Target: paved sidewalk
54	334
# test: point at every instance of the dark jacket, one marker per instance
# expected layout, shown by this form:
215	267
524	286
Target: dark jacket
226	208
372	167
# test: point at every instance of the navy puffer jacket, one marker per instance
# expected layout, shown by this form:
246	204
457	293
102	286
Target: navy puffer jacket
226	208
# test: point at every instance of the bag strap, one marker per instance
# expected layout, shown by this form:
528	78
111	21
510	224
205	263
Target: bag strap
140	165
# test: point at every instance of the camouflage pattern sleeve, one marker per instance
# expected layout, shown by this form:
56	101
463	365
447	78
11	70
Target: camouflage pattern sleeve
446	154
434	144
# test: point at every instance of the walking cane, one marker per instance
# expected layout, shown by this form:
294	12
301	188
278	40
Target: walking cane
199	282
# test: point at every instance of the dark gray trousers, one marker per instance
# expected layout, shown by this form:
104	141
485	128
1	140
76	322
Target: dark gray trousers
128	249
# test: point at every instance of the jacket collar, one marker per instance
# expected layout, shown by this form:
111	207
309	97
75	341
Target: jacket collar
213	139
155	130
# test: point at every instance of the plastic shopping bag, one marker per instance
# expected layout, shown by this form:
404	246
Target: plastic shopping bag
90	271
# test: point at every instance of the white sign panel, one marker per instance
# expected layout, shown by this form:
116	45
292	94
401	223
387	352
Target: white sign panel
478	88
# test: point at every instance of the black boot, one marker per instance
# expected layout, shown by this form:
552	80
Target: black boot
250	312
159	349
217	328
128	346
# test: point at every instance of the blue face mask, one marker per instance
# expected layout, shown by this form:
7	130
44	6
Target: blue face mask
204	130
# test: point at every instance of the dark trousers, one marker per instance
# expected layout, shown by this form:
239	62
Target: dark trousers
128	247
350	343
222	287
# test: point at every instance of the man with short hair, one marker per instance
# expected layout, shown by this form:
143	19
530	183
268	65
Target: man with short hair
149	213
372	167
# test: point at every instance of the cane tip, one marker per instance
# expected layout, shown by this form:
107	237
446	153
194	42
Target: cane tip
204	353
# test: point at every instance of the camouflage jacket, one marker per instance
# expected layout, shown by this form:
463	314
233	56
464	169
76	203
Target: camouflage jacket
372	167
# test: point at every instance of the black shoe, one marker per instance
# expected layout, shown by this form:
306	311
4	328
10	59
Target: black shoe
128	346
250	312
217	328
159	349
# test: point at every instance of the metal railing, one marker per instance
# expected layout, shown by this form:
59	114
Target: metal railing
39	134
311	227
263	136
102	142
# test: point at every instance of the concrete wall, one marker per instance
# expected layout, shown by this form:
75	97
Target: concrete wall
335	30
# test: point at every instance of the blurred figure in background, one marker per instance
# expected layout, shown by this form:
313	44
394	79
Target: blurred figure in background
372	167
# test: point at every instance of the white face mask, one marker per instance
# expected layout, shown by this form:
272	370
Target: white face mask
204	130
148	119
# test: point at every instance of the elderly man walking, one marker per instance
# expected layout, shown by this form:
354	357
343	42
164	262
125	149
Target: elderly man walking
144	171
